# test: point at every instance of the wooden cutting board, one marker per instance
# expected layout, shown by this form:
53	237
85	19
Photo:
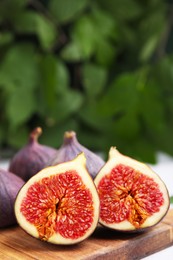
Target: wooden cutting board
103	244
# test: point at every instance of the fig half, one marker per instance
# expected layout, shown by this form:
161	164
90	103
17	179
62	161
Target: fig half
132	196
59	204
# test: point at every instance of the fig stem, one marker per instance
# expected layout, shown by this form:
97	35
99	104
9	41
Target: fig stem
68	136
35	134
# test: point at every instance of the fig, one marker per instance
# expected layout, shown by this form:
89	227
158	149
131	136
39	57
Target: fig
132	196
31	158
59	204
9	187
71	148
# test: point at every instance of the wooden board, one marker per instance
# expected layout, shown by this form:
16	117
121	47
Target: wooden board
105	244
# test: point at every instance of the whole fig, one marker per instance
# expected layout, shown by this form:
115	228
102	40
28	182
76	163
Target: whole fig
32	157
10	184
71	148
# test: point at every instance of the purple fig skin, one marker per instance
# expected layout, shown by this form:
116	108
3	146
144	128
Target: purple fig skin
71	148
10	184
32	158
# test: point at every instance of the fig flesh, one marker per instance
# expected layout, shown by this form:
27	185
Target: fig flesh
132	196
59	204
32	157
71	148
9	187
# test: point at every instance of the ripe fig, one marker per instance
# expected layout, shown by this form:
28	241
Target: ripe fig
32	157
59	204
132	196
9	187
71	148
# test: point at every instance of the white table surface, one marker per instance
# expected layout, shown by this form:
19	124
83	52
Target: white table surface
164	168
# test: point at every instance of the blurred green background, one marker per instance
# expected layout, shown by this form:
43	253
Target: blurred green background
101	68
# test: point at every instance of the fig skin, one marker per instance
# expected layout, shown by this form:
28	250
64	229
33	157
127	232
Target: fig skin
71	148
122	192
72	211
31	158
10	185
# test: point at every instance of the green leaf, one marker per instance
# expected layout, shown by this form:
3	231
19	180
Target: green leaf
10	9
91	115
34	23
67	10
68	104
90	33
122	9
105	53
6	38
127	37
163	74
18	77
21	105
46	31
142	150
164	141
19	68
83	34
128	125
154	23
18	137
63	79
54	81
122	95
151	107
48	80
26	22
2	135
94	79
71	52
149	48
88	37
106	24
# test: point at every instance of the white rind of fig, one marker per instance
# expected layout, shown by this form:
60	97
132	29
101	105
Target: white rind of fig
116	158
79	164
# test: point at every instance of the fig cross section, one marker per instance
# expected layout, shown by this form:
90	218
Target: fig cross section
132	196
59	204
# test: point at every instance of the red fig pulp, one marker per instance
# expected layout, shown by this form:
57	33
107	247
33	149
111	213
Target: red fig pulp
9	187
132	196
31	158
59	204
71	148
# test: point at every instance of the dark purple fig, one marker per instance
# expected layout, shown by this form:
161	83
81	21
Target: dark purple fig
10	185
71	148
32	158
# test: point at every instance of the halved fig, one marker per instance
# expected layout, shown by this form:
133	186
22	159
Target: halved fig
132	196
59	204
